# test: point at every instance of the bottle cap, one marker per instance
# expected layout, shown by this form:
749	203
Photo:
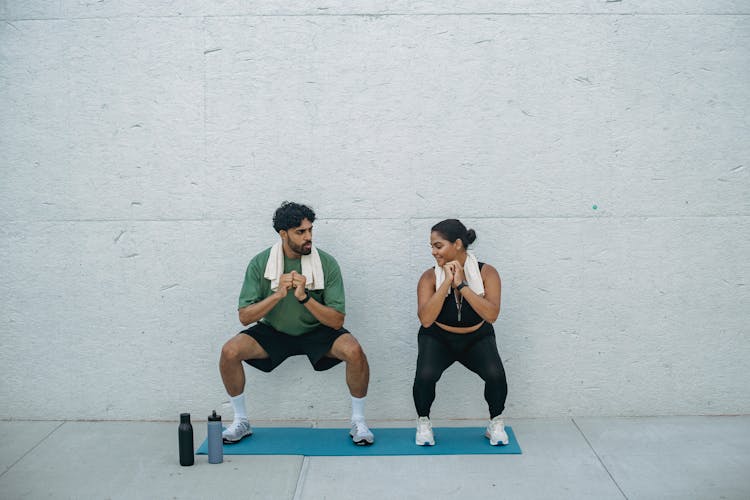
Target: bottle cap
214	417
184	418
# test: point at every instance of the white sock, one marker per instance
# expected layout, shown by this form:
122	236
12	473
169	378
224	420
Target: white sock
238	404
358	408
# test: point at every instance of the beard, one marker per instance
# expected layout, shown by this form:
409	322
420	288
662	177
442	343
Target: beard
300	249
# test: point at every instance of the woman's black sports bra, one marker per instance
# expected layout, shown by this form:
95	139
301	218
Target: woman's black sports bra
449	313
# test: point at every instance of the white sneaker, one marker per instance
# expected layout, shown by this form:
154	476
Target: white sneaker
235	432
424	432
496	431
360	434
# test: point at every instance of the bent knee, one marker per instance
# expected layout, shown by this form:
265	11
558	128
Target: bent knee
494	376
229	352
356	354
232	351
352	351
426	377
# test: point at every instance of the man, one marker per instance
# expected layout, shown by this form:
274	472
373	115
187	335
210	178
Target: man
294	294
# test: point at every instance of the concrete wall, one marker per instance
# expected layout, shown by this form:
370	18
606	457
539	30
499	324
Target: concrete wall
600	150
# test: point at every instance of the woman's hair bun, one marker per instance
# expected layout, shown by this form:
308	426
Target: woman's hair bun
471	235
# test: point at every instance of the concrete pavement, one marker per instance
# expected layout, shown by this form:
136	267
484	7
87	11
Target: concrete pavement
565	458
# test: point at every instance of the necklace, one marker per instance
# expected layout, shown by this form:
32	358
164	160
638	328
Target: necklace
459	303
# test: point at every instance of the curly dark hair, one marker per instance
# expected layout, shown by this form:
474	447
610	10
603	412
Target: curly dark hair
453	229
290	215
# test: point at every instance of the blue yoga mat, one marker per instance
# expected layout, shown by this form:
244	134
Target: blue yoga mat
388	441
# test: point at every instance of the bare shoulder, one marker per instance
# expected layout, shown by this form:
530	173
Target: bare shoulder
489	271
428	276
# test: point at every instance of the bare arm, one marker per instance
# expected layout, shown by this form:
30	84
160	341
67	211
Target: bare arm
254	312
487	307
326	315
429	300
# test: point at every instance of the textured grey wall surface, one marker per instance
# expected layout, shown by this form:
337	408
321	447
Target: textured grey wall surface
600	150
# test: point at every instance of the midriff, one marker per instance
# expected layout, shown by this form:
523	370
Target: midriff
460	329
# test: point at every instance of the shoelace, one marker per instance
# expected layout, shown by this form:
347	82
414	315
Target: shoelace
236	425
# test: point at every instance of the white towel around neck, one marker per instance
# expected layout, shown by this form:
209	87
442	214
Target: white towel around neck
312	268
471	271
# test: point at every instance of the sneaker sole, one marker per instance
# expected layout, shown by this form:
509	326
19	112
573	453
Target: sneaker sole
425	443
362	442
496	443
227	441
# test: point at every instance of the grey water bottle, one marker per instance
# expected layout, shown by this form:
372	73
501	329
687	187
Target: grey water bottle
215	444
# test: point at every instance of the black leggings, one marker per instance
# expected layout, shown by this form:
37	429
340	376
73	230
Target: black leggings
477	351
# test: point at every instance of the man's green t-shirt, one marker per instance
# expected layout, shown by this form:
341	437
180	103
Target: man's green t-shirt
289	316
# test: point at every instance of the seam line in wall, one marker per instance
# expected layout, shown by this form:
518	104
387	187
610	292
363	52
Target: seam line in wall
393	14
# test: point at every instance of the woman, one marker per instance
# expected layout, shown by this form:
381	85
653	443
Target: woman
459	299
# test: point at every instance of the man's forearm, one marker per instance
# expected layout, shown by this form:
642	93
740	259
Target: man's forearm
254	312
326	315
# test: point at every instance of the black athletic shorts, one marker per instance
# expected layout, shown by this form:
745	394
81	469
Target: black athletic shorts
280	346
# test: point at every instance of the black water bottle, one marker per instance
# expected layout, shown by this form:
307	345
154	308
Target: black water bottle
185	436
